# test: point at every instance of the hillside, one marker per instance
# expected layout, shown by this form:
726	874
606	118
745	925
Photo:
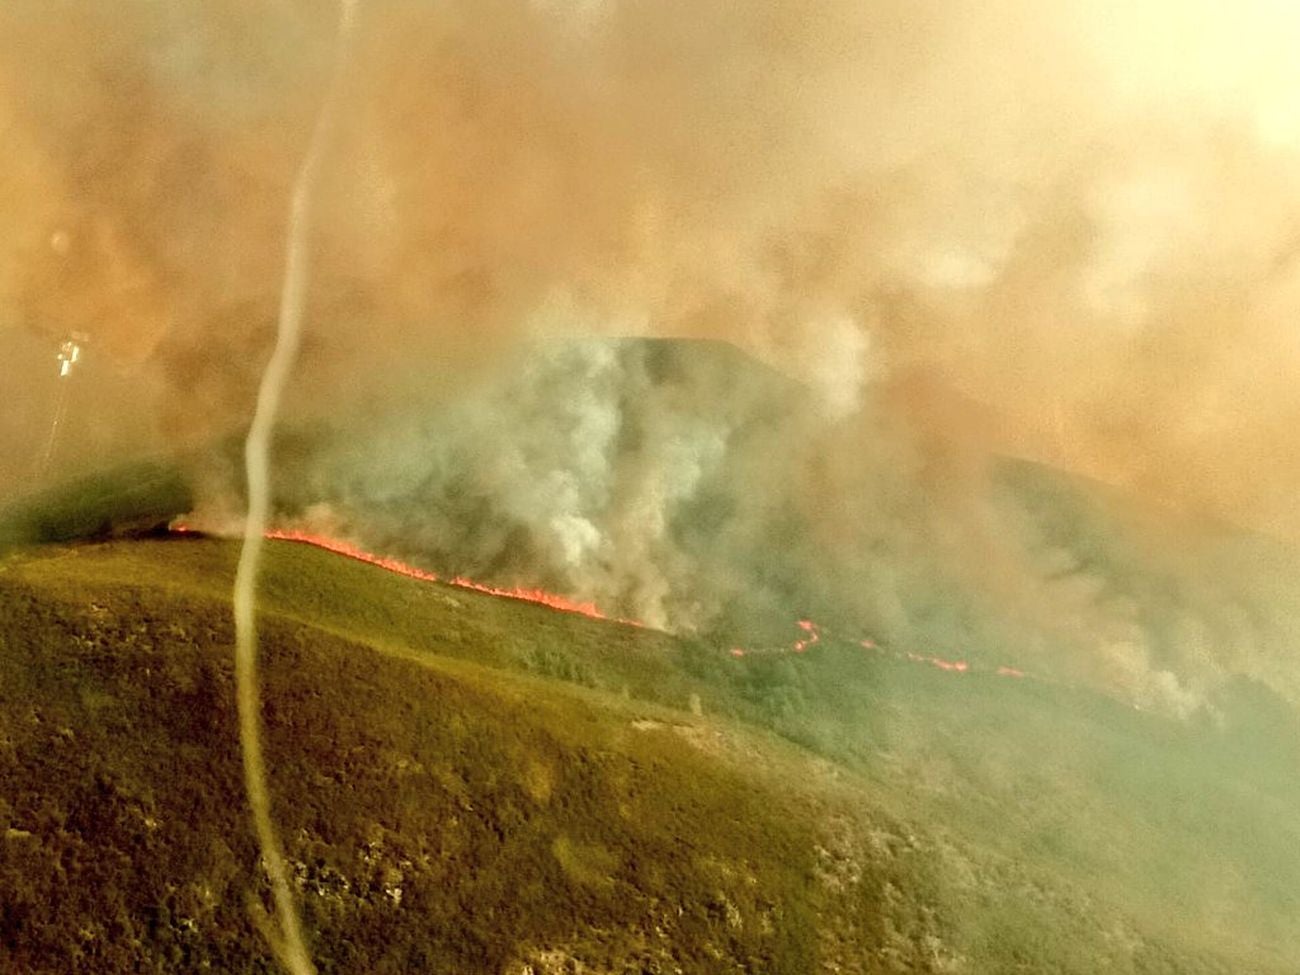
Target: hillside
475	784
685	484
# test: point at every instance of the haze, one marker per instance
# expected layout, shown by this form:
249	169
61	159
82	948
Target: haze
1065	232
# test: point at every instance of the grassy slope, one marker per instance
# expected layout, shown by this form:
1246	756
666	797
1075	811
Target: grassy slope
535	787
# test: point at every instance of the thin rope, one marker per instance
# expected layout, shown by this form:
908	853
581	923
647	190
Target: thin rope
287	941
52	441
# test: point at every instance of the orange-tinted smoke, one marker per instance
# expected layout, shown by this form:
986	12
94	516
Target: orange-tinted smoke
1083	216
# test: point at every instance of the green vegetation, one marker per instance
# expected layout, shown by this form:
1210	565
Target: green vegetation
129	499
468	784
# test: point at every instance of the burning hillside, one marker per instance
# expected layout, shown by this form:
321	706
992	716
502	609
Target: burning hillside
637	476
858	338
810	632
935	270
633	477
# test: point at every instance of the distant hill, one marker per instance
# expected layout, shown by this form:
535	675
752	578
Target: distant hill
128	500
686	484
474	784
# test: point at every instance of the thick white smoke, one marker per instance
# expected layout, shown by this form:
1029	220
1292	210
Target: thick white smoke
1064	231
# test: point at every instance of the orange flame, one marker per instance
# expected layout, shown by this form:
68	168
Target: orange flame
352	552
539	596
544	598
814	635
565	604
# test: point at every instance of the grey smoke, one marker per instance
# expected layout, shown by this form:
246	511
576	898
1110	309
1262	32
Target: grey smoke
1063	232
684	484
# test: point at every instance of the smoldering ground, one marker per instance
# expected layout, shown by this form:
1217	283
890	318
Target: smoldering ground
1065	232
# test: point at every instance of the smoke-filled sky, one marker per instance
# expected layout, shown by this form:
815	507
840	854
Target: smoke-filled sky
1068	230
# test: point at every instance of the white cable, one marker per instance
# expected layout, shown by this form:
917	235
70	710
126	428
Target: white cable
51	442
287	942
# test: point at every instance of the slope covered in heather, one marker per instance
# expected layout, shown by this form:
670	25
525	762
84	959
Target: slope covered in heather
474	784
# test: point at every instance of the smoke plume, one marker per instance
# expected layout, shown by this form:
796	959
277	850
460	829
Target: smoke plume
1063	232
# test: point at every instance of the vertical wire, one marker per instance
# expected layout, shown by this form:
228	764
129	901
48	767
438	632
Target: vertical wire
287	941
